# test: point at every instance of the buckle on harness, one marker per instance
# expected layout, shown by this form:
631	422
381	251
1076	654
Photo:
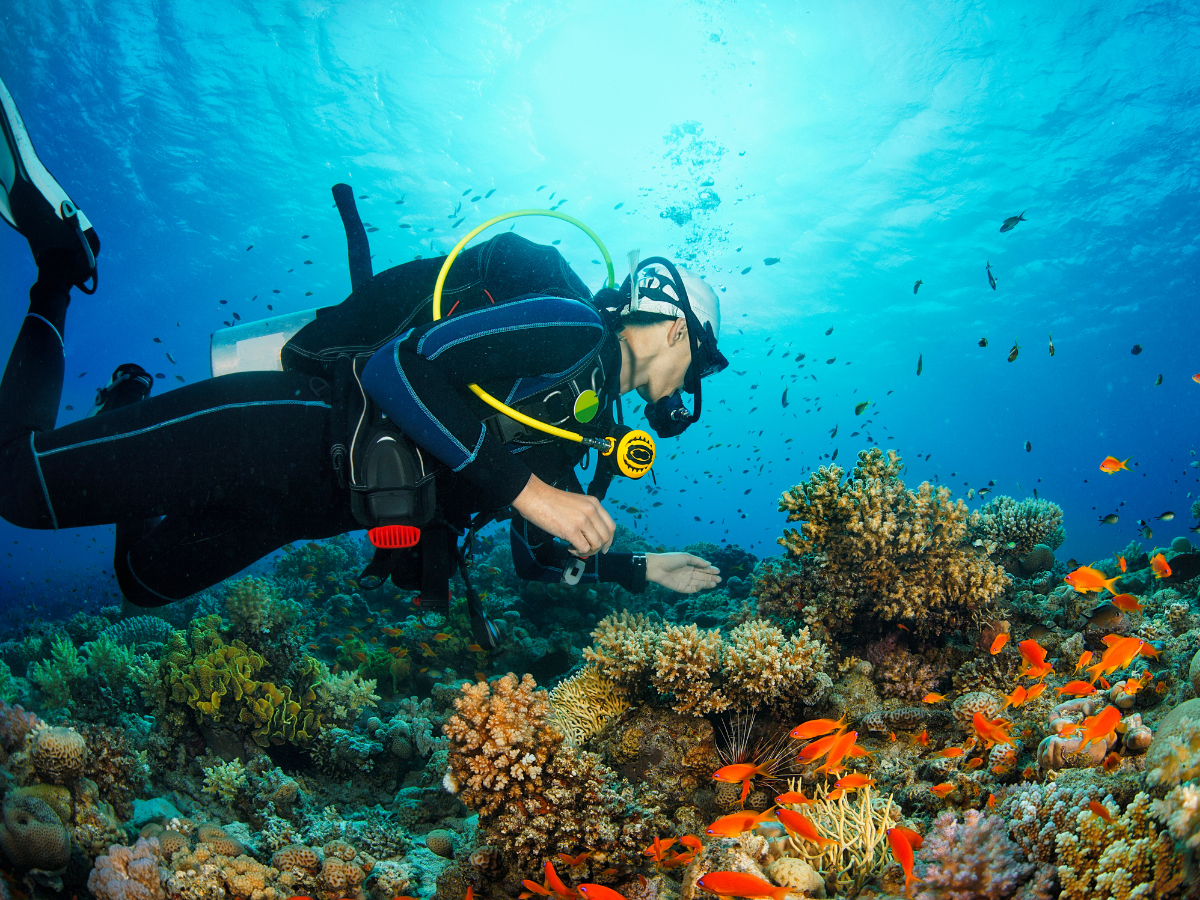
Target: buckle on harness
394	537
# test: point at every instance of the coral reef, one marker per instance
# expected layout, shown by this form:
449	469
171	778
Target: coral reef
32	836
701	672
128	873
587	701
976	858
873	552
1010	529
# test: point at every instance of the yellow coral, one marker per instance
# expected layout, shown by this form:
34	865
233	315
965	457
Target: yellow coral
1132	857
587	701
685	665
874	548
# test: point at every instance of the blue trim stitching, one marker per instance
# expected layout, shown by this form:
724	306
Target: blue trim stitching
42	478
129	565
57	333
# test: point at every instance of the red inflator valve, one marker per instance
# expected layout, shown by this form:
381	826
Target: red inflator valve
394	537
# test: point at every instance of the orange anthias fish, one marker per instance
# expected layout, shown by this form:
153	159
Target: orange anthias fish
853	782
818	748
1121	562
1100	811
902	852
1111	464
802	827
1016	698
740	772
735	823
991	732
741	884
1100	726
658	849
1127	602
1076	689
942	789
1084	659
833	762
441	636
793	797
931	697
691	842
555	884
571	861
599	892
1034	656
951	752
1160	566
1120	653
1034	692
1085	579
998	643
816	727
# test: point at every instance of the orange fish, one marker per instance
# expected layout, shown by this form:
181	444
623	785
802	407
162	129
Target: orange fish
1120	653
1127	602
835	794
475	648
853	782
735	823
1111	464
792	797
658	848
991	802
1121	562
1084	659
1034	656
942	789
816	727
426	649
974	763
555	884
857	752
1069	729
599	891
914	840
998	643
802	827
818	748
1075	689
469	894
1112	762
902	853
950	752
392	632
1160	566
1016	698
922	738
677	860
360	656
441	636
572	861
534	888
1100	726
1100	811
833	762
931	697
740	884
1085	579
1034	692
740	772
1196	378
691	842
991	732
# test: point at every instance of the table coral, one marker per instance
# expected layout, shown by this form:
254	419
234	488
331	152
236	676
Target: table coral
976	858
872	551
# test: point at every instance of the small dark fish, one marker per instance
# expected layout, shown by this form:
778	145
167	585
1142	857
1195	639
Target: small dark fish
746	270
1158	380
363	197
81	374
991	277
467	191
308	262
833	433
1166	517
227	323
405	225
785	403
179	378
489	193
770	260
270	307
539	188
275	290
400	202
171	359
1110	519
251	247
304	237
1011	222
917	286
828	331
799	356
1137	348
237	317
372	229
1051	345
983	342
306	294
456	210
459	222
1147	533
70	407
831	361
834	456
619	205
861	407
159	375
1028	447
158	340
1016	348
920	363
476	198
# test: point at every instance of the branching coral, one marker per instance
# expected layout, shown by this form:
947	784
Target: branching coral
702	672
587	701
976	858
870	550
535	795
54	676
254	607
1010	529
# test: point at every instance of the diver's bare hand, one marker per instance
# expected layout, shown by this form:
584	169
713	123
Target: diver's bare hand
681	572
578	519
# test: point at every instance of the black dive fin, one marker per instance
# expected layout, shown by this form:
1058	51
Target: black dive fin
358	249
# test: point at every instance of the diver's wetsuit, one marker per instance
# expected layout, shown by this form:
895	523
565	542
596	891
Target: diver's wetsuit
240	465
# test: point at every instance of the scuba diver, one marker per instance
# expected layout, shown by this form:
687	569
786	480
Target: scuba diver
378	413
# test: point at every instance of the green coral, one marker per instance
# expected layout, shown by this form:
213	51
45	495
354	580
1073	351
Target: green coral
54	676
226	780
8	689
112	661
254	607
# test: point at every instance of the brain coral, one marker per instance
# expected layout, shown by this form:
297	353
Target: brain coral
58	754
32	836
872	551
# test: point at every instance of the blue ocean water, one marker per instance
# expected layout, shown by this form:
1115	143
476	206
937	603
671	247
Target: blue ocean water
864	145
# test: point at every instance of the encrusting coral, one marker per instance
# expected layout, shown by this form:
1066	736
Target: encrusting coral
702	672
873	552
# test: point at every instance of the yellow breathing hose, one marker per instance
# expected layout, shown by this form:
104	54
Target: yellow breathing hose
605	445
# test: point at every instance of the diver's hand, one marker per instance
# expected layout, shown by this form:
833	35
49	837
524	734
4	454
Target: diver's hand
681	572
578	519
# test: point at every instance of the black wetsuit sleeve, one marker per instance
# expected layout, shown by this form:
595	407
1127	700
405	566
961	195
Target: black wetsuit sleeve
421	380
